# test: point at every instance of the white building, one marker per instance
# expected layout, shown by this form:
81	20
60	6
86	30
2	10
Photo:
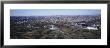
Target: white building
52	27
91	28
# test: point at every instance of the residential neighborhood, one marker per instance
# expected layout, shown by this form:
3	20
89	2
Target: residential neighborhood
55	27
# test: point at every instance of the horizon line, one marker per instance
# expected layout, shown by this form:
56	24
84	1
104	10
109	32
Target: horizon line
64	15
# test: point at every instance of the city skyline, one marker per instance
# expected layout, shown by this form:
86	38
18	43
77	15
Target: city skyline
48	12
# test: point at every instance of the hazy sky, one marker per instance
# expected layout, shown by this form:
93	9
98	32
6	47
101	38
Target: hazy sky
46	12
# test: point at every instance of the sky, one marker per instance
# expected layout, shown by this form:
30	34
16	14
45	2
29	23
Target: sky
47	12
